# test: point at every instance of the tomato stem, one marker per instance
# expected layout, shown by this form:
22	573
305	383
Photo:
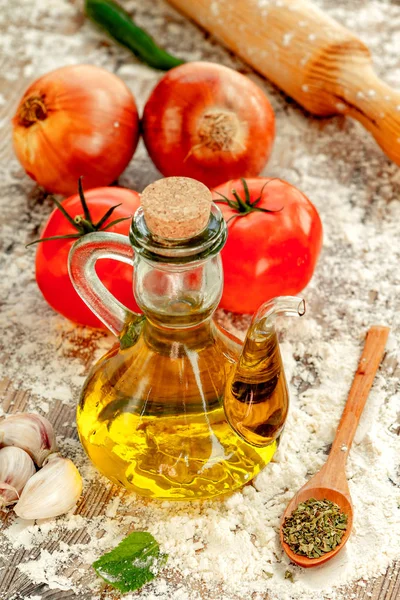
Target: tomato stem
244	206
106	216
54	237
83	201
115	222
82	224
65	213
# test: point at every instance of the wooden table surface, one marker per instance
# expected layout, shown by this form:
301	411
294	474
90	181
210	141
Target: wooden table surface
18	22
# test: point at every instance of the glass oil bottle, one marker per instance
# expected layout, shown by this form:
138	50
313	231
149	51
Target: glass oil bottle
179	408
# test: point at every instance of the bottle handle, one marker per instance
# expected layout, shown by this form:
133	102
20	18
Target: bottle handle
81	266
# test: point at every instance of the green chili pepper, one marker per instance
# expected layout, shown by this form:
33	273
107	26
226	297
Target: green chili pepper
119	25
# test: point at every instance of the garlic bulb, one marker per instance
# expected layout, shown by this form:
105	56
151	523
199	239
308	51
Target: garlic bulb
16	467
31	432
52	491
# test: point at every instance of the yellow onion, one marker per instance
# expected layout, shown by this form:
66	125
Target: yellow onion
77	120
208	122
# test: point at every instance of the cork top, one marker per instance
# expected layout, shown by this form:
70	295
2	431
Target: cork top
176	208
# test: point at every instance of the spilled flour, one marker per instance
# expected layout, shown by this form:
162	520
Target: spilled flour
226	549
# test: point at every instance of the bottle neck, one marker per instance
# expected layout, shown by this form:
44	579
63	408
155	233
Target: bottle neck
178	283
172	295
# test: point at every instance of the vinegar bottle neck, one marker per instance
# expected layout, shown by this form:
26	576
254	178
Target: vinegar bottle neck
263	323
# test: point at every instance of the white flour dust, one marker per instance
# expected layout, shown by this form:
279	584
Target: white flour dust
226	549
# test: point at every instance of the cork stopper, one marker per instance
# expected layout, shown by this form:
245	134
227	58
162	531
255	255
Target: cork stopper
176	208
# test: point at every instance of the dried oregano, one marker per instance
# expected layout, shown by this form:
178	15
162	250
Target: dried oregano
314	528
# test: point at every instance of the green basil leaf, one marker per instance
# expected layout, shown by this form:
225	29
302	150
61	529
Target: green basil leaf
134	562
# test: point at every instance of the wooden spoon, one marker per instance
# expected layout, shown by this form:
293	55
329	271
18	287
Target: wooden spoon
330	482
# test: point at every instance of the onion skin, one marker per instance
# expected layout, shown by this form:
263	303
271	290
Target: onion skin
75	121
174	119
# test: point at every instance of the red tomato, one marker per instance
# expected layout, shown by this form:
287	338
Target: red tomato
267	254
52	256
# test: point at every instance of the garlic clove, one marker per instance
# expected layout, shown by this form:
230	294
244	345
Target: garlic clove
16	468
8	495
31	432
52	491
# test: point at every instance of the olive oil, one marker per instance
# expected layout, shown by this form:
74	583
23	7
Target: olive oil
256	397
179	409
151	416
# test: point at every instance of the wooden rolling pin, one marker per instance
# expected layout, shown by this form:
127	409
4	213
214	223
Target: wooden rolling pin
307	54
